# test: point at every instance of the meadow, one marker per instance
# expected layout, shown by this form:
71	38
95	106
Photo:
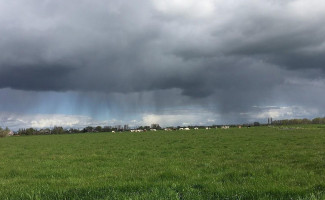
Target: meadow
246	163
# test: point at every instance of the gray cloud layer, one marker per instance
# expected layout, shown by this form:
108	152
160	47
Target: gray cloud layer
232	55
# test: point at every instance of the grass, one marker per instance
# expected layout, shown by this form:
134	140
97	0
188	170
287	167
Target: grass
247	163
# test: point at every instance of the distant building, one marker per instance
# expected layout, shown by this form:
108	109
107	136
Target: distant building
126	127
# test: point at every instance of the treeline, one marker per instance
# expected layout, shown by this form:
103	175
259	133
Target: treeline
317	120
33	131
61	130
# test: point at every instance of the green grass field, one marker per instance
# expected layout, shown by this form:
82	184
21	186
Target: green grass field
247	163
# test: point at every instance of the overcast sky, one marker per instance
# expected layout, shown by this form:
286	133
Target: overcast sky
174	62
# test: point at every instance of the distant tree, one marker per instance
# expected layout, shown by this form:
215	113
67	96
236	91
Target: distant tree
305	121
4	132
44	131
256	123
318	120
98	129
57	130
295	121
20	131
73	130
155	126
28	131
107	129
88	129
32	131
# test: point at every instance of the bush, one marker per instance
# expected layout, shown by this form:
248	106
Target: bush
4	132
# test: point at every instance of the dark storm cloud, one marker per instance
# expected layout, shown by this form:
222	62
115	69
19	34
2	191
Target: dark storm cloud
35	77
233	55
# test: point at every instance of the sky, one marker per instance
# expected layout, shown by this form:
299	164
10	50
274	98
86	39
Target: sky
173	62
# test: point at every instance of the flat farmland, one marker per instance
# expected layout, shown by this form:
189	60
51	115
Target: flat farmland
246	163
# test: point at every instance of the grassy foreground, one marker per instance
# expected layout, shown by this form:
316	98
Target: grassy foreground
254	163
